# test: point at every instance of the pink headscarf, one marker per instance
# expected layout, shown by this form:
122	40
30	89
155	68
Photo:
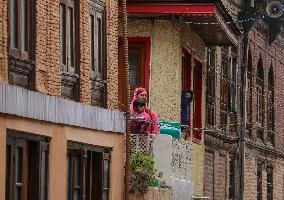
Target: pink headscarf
155	126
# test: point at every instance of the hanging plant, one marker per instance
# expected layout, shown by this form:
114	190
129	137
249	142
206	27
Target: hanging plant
142	172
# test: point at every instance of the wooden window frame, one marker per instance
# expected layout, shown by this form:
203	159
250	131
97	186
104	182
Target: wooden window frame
210	92
91	165
259	181
231	186
70	79
21	63
33	149
269	183
98	62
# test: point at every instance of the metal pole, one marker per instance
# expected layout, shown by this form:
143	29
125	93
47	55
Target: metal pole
127	90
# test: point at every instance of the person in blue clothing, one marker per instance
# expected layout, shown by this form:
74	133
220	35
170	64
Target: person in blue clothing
186	99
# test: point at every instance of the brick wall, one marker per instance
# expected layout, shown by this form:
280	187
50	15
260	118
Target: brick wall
3	41
47	57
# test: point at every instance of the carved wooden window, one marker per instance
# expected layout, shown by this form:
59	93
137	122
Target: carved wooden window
210	92
69	48
26	167
269	183
97	27
260	100
259	182
21	43
224	88
232	177
233	83
270	107
249	90
87	173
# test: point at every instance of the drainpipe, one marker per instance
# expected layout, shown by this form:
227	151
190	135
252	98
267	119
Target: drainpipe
127	89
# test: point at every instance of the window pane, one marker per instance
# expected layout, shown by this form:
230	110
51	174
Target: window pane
19	164
99	29
92	44
43	176
76	171
62	34
18	193
134	78
70	36
106	172
105	195
24	24
13	23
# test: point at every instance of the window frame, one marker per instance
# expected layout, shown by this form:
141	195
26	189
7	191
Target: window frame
97	53
211	84
231	185
33	148
92	165
269	185
259	181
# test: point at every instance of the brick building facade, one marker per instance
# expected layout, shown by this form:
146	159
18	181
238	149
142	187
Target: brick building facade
59	126
263	146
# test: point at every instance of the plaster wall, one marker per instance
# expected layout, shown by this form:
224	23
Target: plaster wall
59	135
167	39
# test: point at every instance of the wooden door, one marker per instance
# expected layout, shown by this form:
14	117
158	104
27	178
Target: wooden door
136	59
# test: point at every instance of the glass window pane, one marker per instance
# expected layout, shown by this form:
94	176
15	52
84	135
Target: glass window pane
106	173
134	60
92	42
99	49
13	23
43	176
70	35
134	78
76	195
76	171
105	195
62	34
19	165
24	24
18	193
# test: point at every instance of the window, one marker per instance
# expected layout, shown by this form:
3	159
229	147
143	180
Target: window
269	183
21	43
224	84
69	48
259	100
138	55
87	173
259	182
97	41
249	97
233	83
270	107
26	167
210	92
232	178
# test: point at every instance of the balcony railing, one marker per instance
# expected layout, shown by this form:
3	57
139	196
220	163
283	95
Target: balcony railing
172	157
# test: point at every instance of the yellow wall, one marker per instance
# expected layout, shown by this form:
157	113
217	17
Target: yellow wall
167	39
59	135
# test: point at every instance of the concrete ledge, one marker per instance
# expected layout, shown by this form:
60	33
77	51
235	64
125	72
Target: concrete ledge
18	101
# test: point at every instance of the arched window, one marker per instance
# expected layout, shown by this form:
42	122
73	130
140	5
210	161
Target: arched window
270	106
259	99
249	96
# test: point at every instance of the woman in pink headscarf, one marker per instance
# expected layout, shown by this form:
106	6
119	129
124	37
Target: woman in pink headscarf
141	93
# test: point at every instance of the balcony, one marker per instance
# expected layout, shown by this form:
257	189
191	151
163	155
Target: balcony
172	157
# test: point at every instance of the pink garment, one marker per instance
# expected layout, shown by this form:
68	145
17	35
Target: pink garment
140	123
154	127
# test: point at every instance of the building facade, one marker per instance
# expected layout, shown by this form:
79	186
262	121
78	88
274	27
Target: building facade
252	168
61	135
167	53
